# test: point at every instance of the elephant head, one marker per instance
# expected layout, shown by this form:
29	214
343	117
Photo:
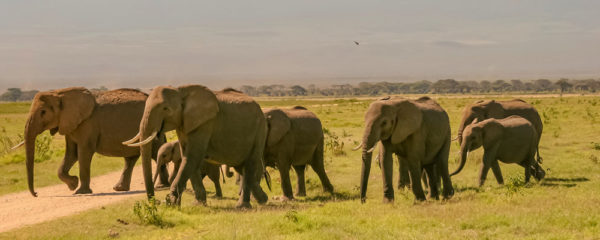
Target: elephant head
393	120
278	125
168	152
476	135
183	109
536	171
58	111
477	112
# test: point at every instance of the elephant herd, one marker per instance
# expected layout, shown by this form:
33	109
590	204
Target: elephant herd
217	130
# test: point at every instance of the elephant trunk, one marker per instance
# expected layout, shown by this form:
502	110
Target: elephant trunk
370	138
464	152
149	125
30	136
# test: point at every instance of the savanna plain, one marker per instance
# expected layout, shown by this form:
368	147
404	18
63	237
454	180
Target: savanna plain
565	205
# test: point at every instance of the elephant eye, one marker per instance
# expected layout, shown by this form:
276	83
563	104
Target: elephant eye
43	112
164	155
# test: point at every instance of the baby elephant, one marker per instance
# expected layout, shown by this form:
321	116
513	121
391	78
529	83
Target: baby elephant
510	140
295	139
170	152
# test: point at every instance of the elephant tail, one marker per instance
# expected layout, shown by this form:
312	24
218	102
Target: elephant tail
222	174
539	158
268	179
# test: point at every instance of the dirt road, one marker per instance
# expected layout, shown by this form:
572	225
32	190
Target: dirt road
21	209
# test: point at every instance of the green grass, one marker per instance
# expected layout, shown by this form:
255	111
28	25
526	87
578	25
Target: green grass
563	206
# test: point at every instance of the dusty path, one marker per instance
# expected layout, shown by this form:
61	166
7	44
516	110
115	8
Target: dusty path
21	209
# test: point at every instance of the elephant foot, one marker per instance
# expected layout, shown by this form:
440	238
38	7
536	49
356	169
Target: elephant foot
283	198
160	186
199	203
82	190
172	200
72	182
120	187
448	193
300	194
328	189
388	200
243	205
261	197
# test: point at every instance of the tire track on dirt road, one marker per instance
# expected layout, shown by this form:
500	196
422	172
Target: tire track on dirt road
21	209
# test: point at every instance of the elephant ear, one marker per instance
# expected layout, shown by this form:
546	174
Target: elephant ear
408	120
76	105
199	105
279	125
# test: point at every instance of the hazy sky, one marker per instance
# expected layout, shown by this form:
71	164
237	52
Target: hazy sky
59	43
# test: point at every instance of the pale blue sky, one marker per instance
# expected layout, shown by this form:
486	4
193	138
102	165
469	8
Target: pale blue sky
60	43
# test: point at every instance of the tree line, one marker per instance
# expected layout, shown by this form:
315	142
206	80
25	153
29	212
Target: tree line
442	86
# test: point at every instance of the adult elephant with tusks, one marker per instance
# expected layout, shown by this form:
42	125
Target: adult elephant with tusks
87	121
225	126
418	131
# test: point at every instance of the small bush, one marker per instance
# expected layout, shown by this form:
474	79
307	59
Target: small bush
147	212
42	147
333	143
514	185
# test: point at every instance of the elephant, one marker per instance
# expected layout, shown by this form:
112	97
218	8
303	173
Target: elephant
88	123
295	139
511	140
418	132
171	152
226	126
485	109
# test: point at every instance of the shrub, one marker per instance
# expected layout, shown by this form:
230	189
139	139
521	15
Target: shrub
147	212
333	143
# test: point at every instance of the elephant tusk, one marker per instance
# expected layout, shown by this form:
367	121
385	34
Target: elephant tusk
18	145
147	140
372	149
130	141
358	147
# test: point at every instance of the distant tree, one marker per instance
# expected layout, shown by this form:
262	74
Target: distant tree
27	95
298	90
501	86
485	86
249	90
11	95
542	85
445	86
517	85
421	87
564	85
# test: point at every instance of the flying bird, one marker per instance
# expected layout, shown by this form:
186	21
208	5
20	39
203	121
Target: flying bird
355	42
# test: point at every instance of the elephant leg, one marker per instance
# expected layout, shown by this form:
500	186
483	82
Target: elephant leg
387	165
441	171
431	179
318	166
214	174
497	173
403	176
66	165
164	179
527	174
301	182
84	155
191	158
125	181
489	156
415	176
198	186
286	185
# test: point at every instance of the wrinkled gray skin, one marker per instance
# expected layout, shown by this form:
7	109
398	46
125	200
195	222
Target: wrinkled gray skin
418	131
171	152
510	140
225	126
486	109
88	123
295	139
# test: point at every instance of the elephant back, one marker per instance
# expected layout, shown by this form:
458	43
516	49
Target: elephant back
121	96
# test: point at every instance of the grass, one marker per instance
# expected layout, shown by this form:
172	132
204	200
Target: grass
563	206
